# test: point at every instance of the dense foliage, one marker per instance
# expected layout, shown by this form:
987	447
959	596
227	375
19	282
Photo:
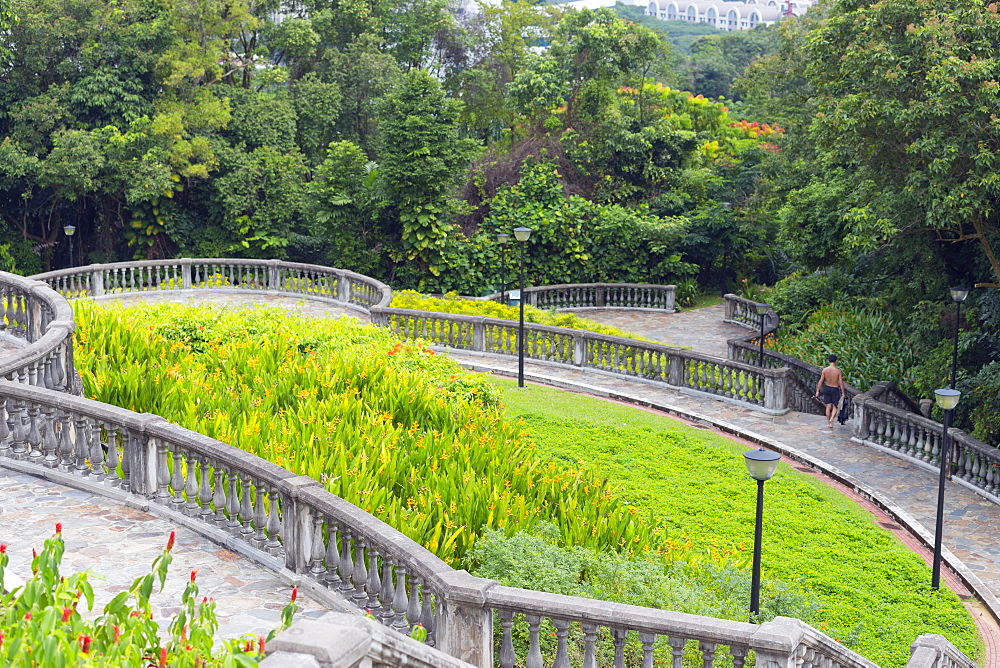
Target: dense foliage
389	426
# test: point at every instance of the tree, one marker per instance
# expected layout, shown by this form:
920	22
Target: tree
905	94
423	160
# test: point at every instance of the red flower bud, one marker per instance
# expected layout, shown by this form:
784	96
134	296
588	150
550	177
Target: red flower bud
27	616
163	654
248	646
295	593
85	644
118	632
261	644
170	541
3	549
67	613
58	527
193	574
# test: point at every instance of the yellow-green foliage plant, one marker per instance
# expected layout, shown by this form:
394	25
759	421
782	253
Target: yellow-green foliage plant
452	303
389	426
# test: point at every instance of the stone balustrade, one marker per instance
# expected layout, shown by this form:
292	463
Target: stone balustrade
254	276
583	296
33	313
292	524
764	388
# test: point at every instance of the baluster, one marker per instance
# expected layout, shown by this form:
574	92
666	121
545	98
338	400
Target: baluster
65	448
318	550
618	640
413	609
374	584
195	474
534	659
648	640
49	443
590	645
177	480
332	557
273	545
205	491
246	508
399	601
360	575
96	450
162	472
707	653
4	430
427	613
388	592
35	453
259	521
911	441
507	657
219	499
346	562
562	654
677	651
233	525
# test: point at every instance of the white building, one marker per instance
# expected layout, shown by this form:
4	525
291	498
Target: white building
721	14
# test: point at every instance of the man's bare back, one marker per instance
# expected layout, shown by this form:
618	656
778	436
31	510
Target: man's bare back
832	377
830	389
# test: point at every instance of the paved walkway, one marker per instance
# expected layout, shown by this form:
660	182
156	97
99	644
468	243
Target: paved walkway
972	524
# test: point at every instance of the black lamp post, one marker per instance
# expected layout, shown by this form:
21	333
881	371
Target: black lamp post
502	239
761	464
762	310
726	206
521	234
69	230
958	295
946	399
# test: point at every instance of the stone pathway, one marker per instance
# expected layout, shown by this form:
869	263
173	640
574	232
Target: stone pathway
972	524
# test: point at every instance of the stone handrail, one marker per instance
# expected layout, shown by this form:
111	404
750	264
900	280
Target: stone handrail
43	320
292	523
583	296
764	388
916	438
934	651
309	281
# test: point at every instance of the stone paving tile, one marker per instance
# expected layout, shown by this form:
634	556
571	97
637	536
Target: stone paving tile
117	544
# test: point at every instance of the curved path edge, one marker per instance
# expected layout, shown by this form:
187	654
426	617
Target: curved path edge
965	575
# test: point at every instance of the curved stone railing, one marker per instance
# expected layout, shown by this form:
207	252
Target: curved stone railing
33	313
583	296
291	522
764	388
885	421
310	281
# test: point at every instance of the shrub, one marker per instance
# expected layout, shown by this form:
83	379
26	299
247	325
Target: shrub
42	626
794	298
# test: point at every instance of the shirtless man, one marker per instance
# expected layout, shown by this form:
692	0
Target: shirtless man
830	388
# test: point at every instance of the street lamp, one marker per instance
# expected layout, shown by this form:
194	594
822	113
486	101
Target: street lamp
521	234
761	464
726	206
958	295
502	239
947	400
762	310
69	230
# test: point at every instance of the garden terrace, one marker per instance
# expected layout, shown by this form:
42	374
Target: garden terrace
291	523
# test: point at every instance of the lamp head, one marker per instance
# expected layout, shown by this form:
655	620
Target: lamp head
761	463
502	237
958	294
69	230
522	233
762	309
947	399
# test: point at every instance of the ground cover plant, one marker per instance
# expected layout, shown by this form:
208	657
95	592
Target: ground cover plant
453	303
695	485
389	426
42	623
871	346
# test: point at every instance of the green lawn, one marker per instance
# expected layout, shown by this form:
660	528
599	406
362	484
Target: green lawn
696	487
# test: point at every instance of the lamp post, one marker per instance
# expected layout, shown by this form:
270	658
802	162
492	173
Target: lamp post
726	206
761	464
502	239
521	234
762	310
69	230
958	295
946	399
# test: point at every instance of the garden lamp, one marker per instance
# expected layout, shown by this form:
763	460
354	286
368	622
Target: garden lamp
521	234
947	400
761	464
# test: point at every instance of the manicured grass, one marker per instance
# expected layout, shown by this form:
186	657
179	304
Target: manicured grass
695	485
